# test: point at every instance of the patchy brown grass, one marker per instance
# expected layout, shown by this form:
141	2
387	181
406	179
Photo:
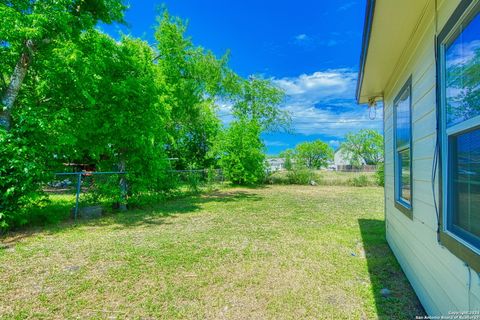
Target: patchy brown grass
280	252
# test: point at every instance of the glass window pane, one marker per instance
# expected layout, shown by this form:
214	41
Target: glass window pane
462	75
465	180
403	119
405	180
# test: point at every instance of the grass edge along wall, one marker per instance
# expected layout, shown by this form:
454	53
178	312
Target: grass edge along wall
443	270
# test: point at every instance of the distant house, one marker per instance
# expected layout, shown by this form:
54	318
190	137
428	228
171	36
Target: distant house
422	59
276	164
341	159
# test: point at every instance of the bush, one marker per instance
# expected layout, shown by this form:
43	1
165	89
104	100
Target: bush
21	176
323	178
302	176
241	151
380	174
194	180
276	178
297	176
360	181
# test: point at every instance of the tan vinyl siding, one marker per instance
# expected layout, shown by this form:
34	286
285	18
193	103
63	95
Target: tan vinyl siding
439	278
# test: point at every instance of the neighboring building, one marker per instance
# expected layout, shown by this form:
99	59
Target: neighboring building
341	159
422	59
276	164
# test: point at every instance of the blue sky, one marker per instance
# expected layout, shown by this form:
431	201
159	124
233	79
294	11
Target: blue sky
309	48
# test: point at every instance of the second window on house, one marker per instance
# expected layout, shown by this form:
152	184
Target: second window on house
403	148
460	126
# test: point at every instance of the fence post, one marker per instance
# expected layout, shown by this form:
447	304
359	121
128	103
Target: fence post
79	187
123	187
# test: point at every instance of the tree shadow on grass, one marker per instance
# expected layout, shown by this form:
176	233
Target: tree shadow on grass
152	215
385	273
156	214
49	217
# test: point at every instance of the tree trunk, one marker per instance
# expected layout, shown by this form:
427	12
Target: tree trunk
16	80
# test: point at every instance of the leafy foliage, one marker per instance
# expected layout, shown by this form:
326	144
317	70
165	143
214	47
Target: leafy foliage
313	155
288	155
241	153
366	146
323	178
256	99
32	32
255	108
119	105
380	174
20	177
194	79
302	176
360	181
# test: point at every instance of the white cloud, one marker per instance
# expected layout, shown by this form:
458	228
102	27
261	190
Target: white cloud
346	6
323	103
462	53
320	86
312	42
224	111
301	37
333	121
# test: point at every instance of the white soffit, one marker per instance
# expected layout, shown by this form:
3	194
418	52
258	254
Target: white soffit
394	22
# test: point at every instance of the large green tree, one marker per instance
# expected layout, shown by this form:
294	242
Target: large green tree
256	109
194	78
242	153
31	136
30	27
73	94
365	146
313	155
257	99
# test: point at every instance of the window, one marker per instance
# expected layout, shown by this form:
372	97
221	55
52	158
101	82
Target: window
459	70
403	149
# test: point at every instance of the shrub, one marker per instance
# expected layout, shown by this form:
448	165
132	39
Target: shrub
241	151
276	178
380	174
21	176
302	176
194	180
322	178
360	181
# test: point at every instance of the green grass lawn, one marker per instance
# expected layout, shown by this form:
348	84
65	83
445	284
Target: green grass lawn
280	252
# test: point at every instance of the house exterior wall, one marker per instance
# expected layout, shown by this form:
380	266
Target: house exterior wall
342	158
442	281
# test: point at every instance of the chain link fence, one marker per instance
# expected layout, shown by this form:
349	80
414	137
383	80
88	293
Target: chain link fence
93	192
196	179
90	191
